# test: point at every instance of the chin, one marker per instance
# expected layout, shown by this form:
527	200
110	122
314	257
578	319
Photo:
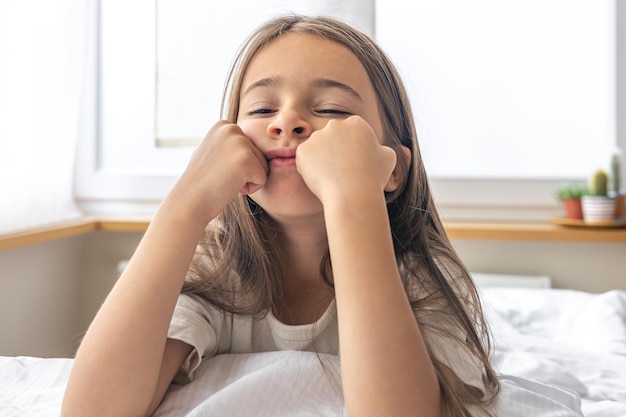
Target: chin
290	203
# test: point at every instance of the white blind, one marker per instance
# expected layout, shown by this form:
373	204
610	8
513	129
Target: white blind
507	89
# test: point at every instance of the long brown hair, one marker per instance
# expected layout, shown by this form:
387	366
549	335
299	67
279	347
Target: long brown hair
237	265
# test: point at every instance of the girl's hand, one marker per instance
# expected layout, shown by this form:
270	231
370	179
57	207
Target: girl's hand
224	164
343	158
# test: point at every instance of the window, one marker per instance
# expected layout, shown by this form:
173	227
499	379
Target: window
507	86
510	98
524	92
160	66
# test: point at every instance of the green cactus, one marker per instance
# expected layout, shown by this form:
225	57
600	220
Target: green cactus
598	183
615	173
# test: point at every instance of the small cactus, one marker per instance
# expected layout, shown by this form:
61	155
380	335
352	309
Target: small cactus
598	183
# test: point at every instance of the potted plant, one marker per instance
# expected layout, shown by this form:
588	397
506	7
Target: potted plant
598	206
570	196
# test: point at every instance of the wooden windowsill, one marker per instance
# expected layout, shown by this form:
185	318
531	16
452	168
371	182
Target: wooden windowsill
533	232
455	230
72	228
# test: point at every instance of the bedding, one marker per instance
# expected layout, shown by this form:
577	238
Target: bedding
559	353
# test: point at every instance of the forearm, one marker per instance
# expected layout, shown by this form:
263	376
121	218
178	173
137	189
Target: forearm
120	357
386	369
118	365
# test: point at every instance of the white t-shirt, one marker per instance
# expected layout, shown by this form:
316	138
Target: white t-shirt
211	332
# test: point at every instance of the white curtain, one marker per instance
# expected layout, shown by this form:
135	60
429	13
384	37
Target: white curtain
43	56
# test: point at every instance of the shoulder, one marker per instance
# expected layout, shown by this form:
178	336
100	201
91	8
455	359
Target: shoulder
195	304
194	317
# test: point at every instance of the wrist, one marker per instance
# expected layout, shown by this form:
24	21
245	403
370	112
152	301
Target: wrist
356	199
194	206
184	216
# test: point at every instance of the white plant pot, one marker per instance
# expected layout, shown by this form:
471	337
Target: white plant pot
598	209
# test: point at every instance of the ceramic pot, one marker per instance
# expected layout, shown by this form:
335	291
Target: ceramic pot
598	209
573	208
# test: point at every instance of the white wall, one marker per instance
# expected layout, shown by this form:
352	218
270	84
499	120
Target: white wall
39	289
100	261
590	267
49	292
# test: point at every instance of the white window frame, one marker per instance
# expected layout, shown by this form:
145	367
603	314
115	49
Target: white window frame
99	190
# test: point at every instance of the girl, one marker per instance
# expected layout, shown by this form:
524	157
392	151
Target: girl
317	162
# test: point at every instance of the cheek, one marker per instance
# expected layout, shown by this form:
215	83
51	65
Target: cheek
253	129
375	118
377	126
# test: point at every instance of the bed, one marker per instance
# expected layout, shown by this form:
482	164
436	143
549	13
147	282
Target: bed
559	353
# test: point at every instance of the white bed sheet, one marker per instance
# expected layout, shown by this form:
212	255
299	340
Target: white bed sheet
571	339
560	354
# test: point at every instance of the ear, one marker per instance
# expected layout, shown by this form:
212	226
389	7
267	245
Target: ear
399	172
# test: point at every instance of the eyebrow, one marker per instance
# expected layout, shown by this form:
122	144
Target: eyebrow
318	83
265	82
328	83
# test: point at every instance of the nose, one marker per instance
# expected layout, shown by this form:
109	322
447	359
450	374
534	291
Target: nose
289	124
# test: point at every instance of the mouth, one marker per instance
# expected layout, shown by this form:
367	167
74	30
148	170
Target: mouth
281	157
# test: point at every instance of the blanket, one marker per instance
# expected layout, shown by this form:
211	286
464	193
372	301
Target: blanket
559	353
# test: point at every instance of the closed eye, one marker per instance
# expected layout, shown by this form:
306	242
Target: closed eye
260	112
334	112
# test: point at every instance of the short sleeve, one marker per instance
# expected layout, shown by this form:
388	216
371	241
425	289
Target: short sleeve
198	324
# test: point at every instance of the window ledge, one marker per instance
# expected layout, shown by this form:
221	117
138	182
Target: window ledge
72	228
533	232
455	230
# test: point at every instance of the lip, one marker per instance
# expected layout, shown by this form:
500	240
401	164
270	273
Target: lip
281	157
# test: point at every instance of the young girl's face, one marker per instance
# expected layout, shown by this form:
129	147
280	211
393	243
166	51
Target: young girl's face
293	87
